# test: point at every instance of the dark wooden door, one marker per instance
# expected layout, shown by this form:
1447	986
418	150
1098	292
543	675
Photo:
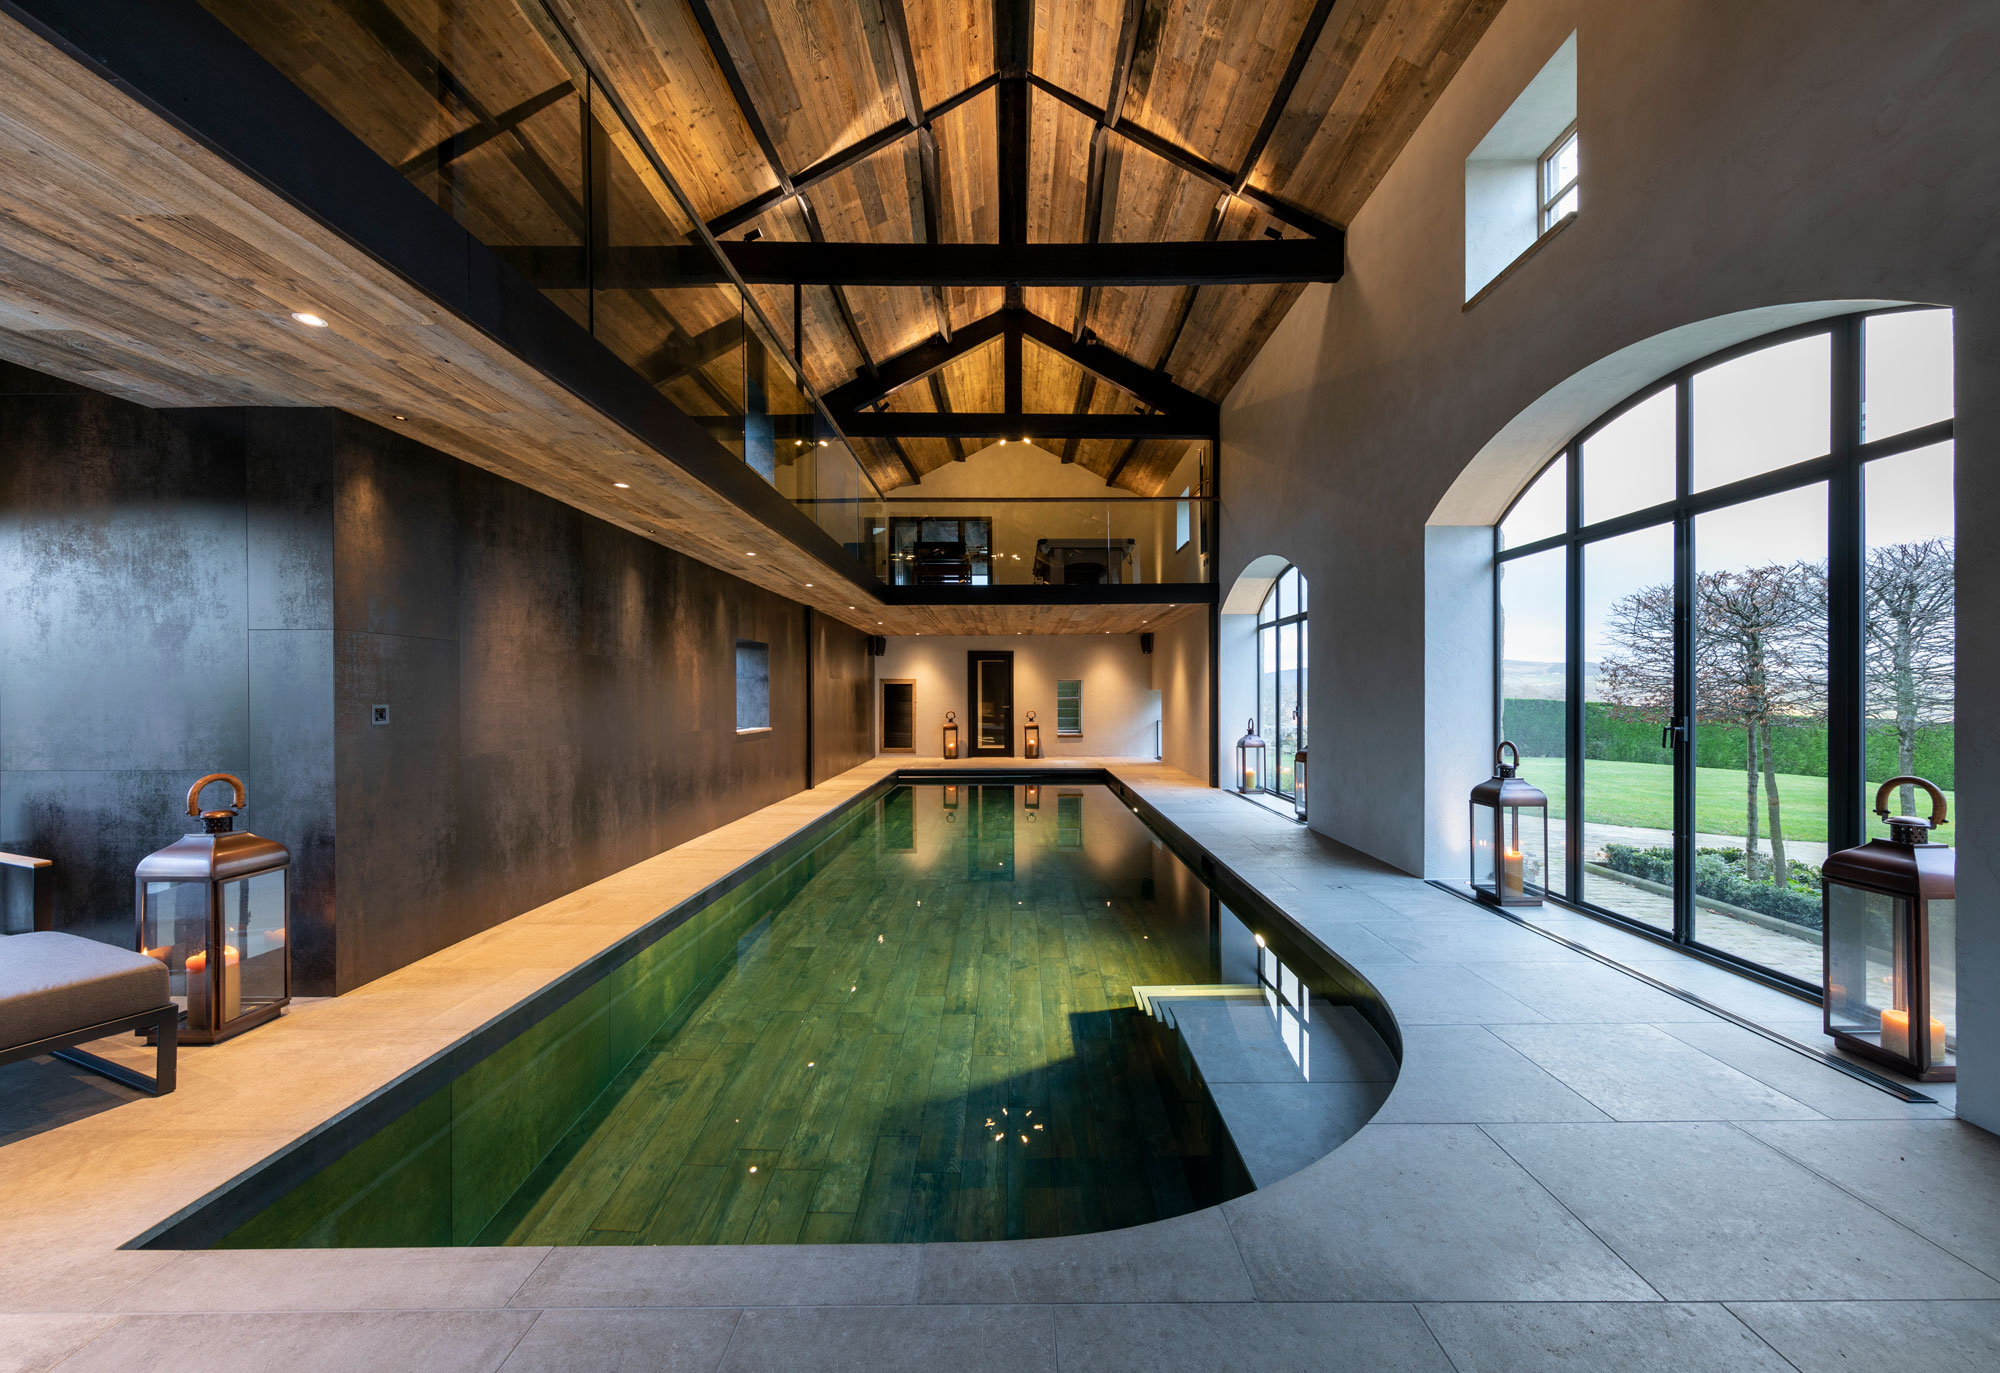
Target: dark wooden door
989	707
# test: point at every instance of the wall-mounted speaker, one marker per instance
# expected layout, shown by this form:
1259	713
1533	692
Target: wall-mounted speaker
1145	643
878	644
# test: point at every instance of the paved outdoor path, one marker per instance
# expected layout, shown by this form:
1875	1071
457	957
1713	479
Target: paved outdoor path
1573	1171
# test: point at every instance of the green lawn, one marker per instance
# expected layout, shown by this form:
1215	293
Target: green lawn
1642	795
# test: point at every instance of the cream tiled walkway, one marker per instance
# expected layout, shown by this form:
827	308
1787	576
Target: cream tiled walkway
1573	1171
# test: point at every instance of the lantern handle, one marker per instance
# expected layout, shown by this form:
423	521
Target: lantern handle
242	798
1940	813
1498	762
1031	717
950	716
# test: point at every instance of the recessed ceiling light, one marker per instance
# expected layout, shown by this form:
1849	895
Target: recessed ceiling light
808	584
623	486
822	443
309	319
749	554
402	417
1003	443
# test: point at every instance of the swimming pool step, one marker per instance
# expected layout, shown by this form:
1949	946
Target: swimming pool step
1150	998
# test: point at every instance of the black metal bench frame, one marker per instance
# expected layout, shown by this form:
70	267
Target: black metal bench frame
164	1021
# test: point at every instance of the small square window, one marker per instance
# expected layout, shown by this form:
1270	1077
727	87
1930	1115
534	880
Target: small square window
1560	167
753	686
1069	710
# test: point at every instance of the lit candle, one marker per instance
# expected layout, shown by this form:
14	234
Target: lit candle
230	998
1512	882
1896	1034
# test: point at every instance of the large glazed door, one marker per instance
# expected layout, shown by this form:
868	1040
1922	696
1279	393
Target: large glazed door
990	703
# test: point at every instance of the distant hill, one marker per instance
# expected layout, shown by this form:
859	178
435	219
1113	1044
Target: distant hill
1528	681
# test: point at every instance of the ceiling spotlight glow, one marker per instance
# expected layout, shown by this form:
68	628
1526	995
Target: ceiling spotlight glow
623	486
748	554
310	320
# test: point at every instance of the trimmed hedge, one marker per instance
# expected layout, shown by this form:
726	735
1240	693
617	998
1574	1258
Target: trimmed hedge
1537	726
1718	875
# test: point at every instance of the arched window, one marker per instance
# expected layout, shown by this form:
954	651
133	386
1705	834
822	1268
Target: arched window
1281	677
1725	613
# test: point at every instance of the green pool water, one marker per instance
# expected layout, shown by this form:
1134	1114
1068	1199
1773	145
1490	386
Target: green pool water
922	1028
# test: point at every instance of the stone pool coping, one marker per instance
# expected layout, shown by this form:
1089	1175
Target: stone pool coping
1558	1135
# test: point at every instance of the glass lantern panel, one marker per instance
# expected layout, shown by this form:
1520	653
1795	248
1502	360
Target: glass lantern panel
174	924
1944	972
253	928
1528	832
1862	987
1482	846
1513	857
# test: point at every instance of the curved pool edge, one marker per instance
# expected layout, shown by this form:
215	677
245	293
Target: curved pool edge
203	1222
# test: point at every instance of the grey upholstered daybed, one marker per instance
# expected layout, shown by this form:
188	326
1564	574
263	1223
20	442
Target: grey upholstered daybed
61	990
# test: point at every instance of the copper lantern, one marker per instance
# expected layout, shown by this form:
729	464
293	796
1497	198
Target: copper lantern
1510	835
951	734
1299	785
1031	738
215	907
1249	759
1889	917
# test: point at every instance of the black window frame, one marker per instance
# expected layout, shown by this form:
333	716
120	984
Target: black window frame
1841	469
1267	730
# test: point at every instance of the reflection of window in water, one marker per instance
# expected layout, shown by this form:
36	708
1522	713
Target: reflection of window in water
1069	819
1290	1005
989	855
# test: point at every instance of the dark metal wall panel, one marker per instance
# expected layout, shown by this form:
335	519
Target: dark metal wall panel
198	591
843	698
561	693
166	616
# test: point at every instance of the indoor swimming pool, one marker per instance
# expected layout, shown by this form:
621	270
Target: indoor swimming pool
945	1018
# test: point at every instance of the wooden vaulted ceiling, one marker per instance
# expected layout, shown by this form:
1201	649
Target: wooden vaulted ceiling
888	122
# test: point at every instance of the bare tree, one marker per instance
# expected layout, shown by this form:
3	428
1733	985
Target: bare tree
1910	628
1759	649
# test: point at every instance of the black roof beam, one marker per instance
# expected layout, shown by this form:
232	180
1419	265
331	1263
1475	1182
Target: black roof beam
1086	391
465	140
943	404
719	50
836	162
1106	158
883	424
1149	387
913	364
1249	262
1013	48
1305	221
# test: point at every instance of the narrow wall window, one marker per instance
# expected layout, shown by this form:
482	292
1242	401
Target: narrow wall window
1560	166
1521	181
1183	520
1069	710
753	686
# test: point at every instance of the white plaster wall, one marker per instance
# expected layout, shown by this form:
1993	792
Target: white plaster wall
1120	705
1739	157
1180	676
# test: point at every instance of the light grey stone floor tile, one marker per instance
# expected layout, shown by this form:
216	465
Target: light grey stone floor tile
31	1282
1827	1090
723	1275
1632	1337
1466	1073
885	1339
1707	1213
1281	1127
306	1342
333	1280
1422	1212
1355	942
29	1344
1639	1072
1189	1258
1733	992
1939	1177
1570	988
1246	1338
1477	939
1446	994
1906	1336
624	1341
